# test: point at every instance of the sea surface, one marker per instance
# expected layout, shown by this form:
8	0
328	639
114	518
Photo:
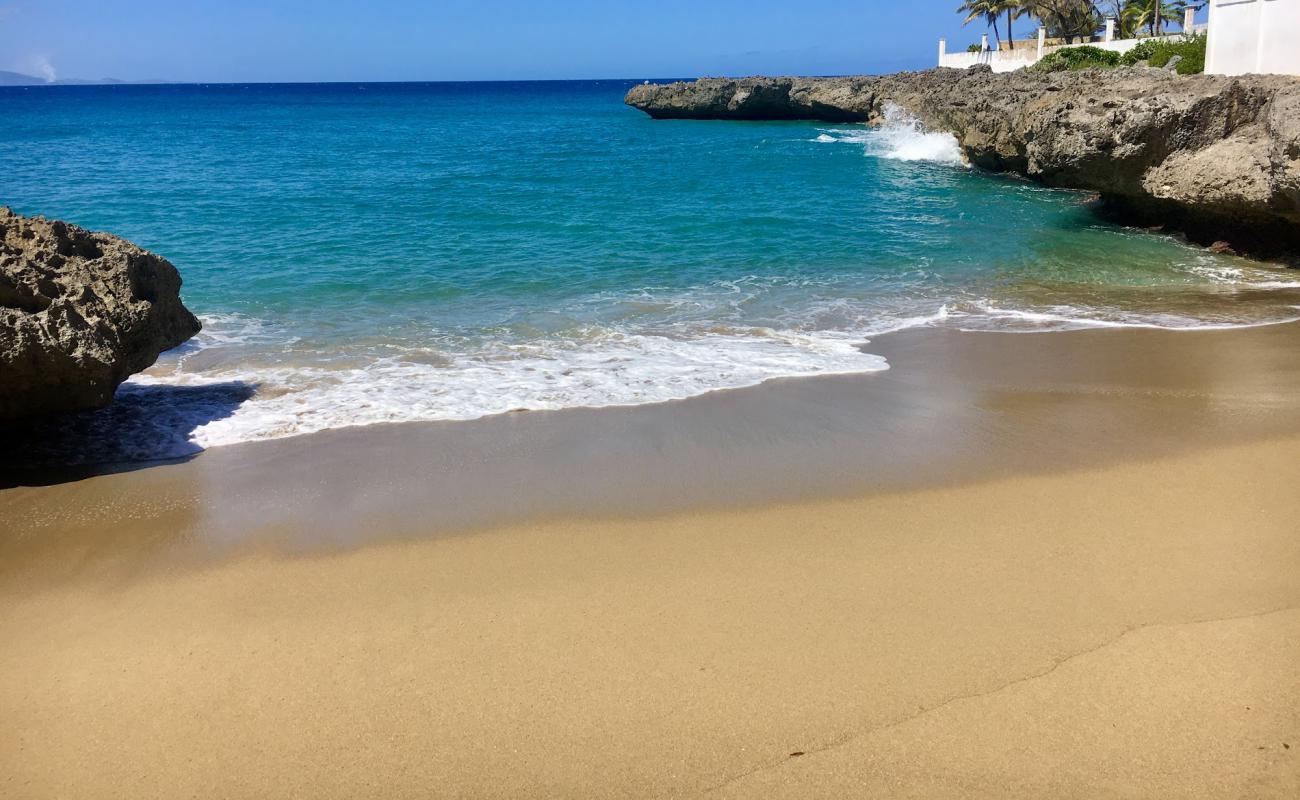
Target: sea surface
366	253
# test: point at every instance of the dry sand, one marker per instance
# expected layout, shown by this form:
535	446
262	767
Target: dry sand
1091	589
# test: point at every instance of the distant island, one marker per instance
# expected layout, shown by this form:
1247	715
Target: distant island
19	79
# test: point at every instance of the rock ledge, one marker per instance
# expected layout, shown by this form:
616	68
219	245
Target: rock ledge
1216	157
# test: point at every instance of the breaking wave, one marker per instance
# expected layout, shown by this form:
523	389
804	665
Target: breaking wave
901	138
295	390
308	393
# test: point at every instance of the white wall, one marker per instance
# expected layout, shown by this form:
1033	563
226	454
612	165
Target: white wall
999	60
1254	36
1024	56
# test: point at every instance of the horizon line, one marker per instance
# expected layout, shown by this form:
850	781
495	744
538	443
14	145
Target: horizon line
80	83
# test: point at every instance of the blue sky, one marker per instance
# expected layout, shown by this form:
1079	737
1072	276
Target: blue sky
348	40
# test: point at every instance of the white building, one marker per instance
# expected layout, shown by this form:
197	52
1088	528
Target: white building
1254	36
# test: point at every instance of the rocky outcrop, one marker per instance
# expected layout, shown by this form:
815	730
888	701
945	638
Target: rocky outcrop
1217	157
79	312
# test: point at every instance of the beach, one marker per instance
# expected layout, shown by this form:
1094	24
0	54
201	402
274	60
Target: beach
393	405
1017	565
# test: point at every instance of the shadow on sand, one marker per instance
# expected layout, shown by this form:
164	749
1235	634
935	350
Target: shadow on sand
145	426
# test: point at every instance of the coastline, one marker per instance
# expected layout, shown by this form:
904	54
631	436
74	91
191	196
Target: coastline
1005	565
1206	155
922	435
954	407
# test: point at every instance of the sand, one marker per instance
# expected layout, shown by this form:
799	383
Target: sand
1088	584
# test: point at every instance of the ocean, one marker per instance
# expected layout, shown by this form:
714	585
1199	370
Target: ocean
367	253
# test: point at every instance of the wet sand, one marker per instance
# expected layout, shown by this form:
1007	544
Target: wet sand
1057	565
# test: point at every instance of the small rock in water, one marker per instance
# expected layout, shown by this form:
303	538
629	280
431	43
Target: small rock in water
1222	248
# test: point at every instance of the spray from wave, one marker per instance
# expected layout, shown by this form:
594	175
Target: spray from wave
899	138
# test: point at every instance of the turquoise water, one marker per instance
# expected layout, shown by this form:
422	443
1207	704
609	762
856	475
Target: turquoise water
368	253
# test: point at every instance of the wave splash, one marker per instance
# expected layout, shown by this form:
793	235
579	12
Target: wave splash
900	137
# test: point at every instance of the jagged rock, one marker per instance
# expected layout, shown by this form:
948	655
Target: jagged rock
1217	157
79	312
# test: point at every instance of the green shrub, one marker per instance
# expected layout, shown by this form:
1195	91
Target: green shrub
1144	50
1083	57
1157	53
974	48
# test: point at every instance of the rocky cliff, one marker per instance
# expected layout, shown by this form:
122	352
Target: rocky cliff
1213	156
79	312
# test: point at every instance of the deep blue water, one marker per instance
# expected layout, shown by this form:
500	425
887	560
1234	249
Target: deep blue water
375	252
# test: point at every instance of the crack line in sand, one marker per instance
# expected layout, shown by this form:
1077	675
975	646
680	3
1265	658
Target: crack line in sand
850	737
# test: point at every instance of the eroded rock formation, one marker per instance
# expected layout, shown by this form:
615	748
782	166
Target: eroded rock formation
79	312
1217	157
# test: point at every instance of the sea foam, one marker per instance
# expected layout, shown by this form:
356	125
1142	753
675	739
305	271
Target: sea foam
605	368
899	137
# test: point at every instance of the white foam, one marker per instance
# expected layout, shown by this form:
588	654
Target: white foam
1218	273
901	138
903	323
607	369
239	329
1063	318
703	339
1243	276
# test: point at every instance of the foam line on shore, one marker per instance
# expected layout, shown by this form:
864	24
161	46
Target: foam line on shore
618	369
244	379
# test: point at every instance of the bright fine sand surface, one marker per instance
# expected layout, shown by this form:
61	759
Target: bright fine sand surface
1012	565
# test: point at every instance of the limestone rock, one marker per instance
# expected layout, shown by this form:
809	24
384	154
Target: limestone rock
79	313
1215	156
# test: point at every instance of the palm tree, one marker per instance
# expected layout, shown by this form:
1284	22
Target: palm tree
1125	16
988	10
1069	19
1155	13
1015	10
